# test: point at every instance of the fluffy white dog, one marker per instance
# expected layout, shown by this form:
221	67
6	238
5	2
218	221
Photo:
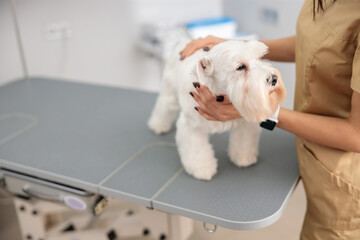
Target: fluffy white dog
231	68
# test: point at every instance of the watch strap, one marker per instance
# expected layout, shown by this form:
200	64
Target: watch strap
268	124
271	122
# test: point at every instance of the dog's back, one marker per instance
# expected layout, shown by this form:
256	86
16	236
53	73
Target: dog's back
177	71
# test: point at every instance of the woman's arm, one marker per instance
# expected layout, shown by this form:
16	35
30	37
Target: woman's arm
329	131
281	49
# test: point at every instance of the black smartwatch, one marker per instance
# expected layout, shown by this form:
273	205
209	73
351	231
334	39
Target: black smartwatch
271	122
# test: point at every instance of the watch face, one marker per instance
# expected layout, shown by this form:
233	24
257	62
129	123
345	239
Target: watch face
268	124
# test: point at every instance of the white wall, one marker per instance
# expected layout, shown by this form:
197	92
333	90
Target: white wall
10	65
250	18
101	49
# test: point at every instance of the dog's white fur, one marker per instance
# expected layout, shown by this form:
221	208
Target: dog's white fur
248	90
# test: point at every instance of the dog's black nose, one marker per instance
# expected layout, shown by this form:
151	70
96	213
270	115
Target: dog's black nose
273	80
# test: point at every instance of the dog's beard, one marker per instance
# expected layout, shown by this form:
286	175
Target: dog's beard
250	99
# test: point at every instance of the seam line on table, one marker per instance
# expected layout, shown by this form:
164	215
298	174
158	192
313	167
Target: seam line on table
22	130
165	185
133	157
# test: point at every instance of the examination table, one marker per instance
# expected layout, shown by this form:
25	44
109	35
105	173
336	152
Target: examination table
95	140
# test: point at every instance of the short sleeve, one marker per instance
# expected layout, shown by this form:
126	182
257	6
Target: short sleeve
355	78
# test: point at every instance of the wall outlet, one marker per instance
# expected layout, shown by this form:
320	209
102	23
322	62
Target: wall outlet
269	15
57	31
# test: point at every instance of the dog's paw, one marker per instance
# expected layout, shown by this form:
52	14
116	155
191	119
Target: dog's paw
158	126
243	162
205	173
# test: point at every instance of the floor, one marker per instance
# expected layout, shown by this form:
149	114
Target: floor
9	229
287	227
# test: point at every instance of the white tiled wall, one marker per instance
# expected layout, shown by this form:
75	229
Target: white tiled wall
101	49
97	49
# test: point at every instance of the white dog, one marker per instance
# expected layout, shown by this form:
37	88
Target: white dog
231	68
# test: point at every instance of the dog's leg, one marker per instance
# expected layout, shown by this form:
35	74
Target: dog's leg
196	153
243	144
165	110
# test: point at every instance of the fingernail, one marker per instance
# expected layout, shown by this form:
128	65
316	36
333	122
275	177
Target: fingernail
191	94
196	109
196	85
182	58
206	48
180	52
220	98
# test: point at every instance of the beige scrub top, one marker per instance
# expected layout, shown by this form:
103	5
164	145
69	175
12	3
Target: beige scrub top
327	72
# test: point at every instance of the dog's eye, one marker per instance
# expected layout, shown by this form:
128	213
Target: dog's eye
241	67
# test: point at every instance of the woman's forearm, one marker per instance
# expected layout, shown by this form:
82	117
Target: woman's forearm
282	49
329	131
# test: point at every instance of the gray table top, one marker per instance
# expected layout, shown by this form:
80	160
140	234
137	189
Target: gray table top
96	138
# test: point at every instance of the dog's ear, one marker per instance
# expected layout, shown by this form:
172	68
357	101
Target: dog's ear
257	49
204	68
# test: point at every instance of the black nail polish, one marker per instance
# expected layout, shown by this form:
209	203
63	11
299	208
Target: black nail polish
206	48
220	98
197	85
191	94
196	109
194	83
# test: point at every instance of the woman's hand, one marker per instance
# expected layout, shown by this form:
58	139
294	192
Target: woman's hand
206	43
219	108
213	108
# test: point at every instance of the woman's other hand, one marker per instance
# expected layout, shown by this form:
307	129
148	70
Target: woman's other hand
206	43
213	108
